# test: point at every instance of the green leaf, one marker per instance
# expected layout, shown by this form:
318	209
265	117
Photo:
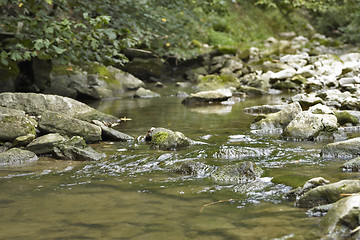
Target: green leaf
15	56
110	33
39	43
58	50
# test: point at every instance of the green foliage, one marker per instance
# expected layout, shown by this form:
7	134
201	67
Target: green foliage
35	28
339	18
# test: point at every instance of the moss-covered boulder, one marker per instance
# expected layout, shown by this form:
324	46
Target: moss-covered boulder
165	139
16	156
13	126
237	173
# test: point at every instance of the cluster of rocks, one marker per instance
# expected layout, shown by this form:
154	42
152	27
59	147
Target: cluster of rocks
37	124
339	202
299	64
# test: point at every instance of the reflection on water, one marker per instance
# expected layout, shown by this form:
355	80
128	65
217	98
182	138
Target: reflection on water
133	194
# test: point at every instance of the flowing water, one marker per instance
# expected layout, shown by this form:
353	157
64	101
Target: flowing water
133	194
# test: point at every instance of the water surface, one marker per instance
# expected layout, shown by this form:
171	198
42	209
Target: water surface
133	194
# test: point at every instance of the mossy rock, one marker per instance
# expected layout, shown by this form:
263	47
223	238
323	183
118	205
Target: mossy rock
227	50
100	70
165	139
213	82
345	117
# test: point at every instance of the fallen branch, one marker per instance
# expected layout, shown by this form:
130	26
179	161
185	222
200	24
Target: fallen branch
212	203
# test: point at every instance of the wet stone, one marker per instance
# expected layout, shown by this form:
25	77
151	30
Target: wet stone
16	156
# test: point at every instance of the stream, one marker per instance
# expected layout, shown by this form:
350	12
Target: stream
132	194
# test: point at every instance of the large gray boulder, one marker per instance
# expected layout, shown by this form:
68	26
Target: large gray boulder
307	126
329	193
218	95
165	139
279	119
53	122
13	126
342	221
16	156
36	104
344	149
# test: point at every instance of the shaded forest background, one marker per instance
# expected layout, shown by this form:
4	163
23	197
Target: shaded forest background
100	30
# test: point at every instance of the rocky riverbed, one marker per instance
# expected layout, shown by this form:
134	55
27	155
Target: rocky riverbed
320	105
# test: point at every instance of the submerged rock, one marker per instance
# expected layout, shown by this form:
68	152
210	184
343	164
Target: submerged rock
238	173
165	139
193	168
307	126
208	96
145	93
13	126
279	119
76	149
329	193
344	149
16	156
342	221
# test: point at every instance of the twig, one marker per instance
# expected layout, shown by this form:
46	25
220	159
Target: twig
355	230
212	203
349	194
